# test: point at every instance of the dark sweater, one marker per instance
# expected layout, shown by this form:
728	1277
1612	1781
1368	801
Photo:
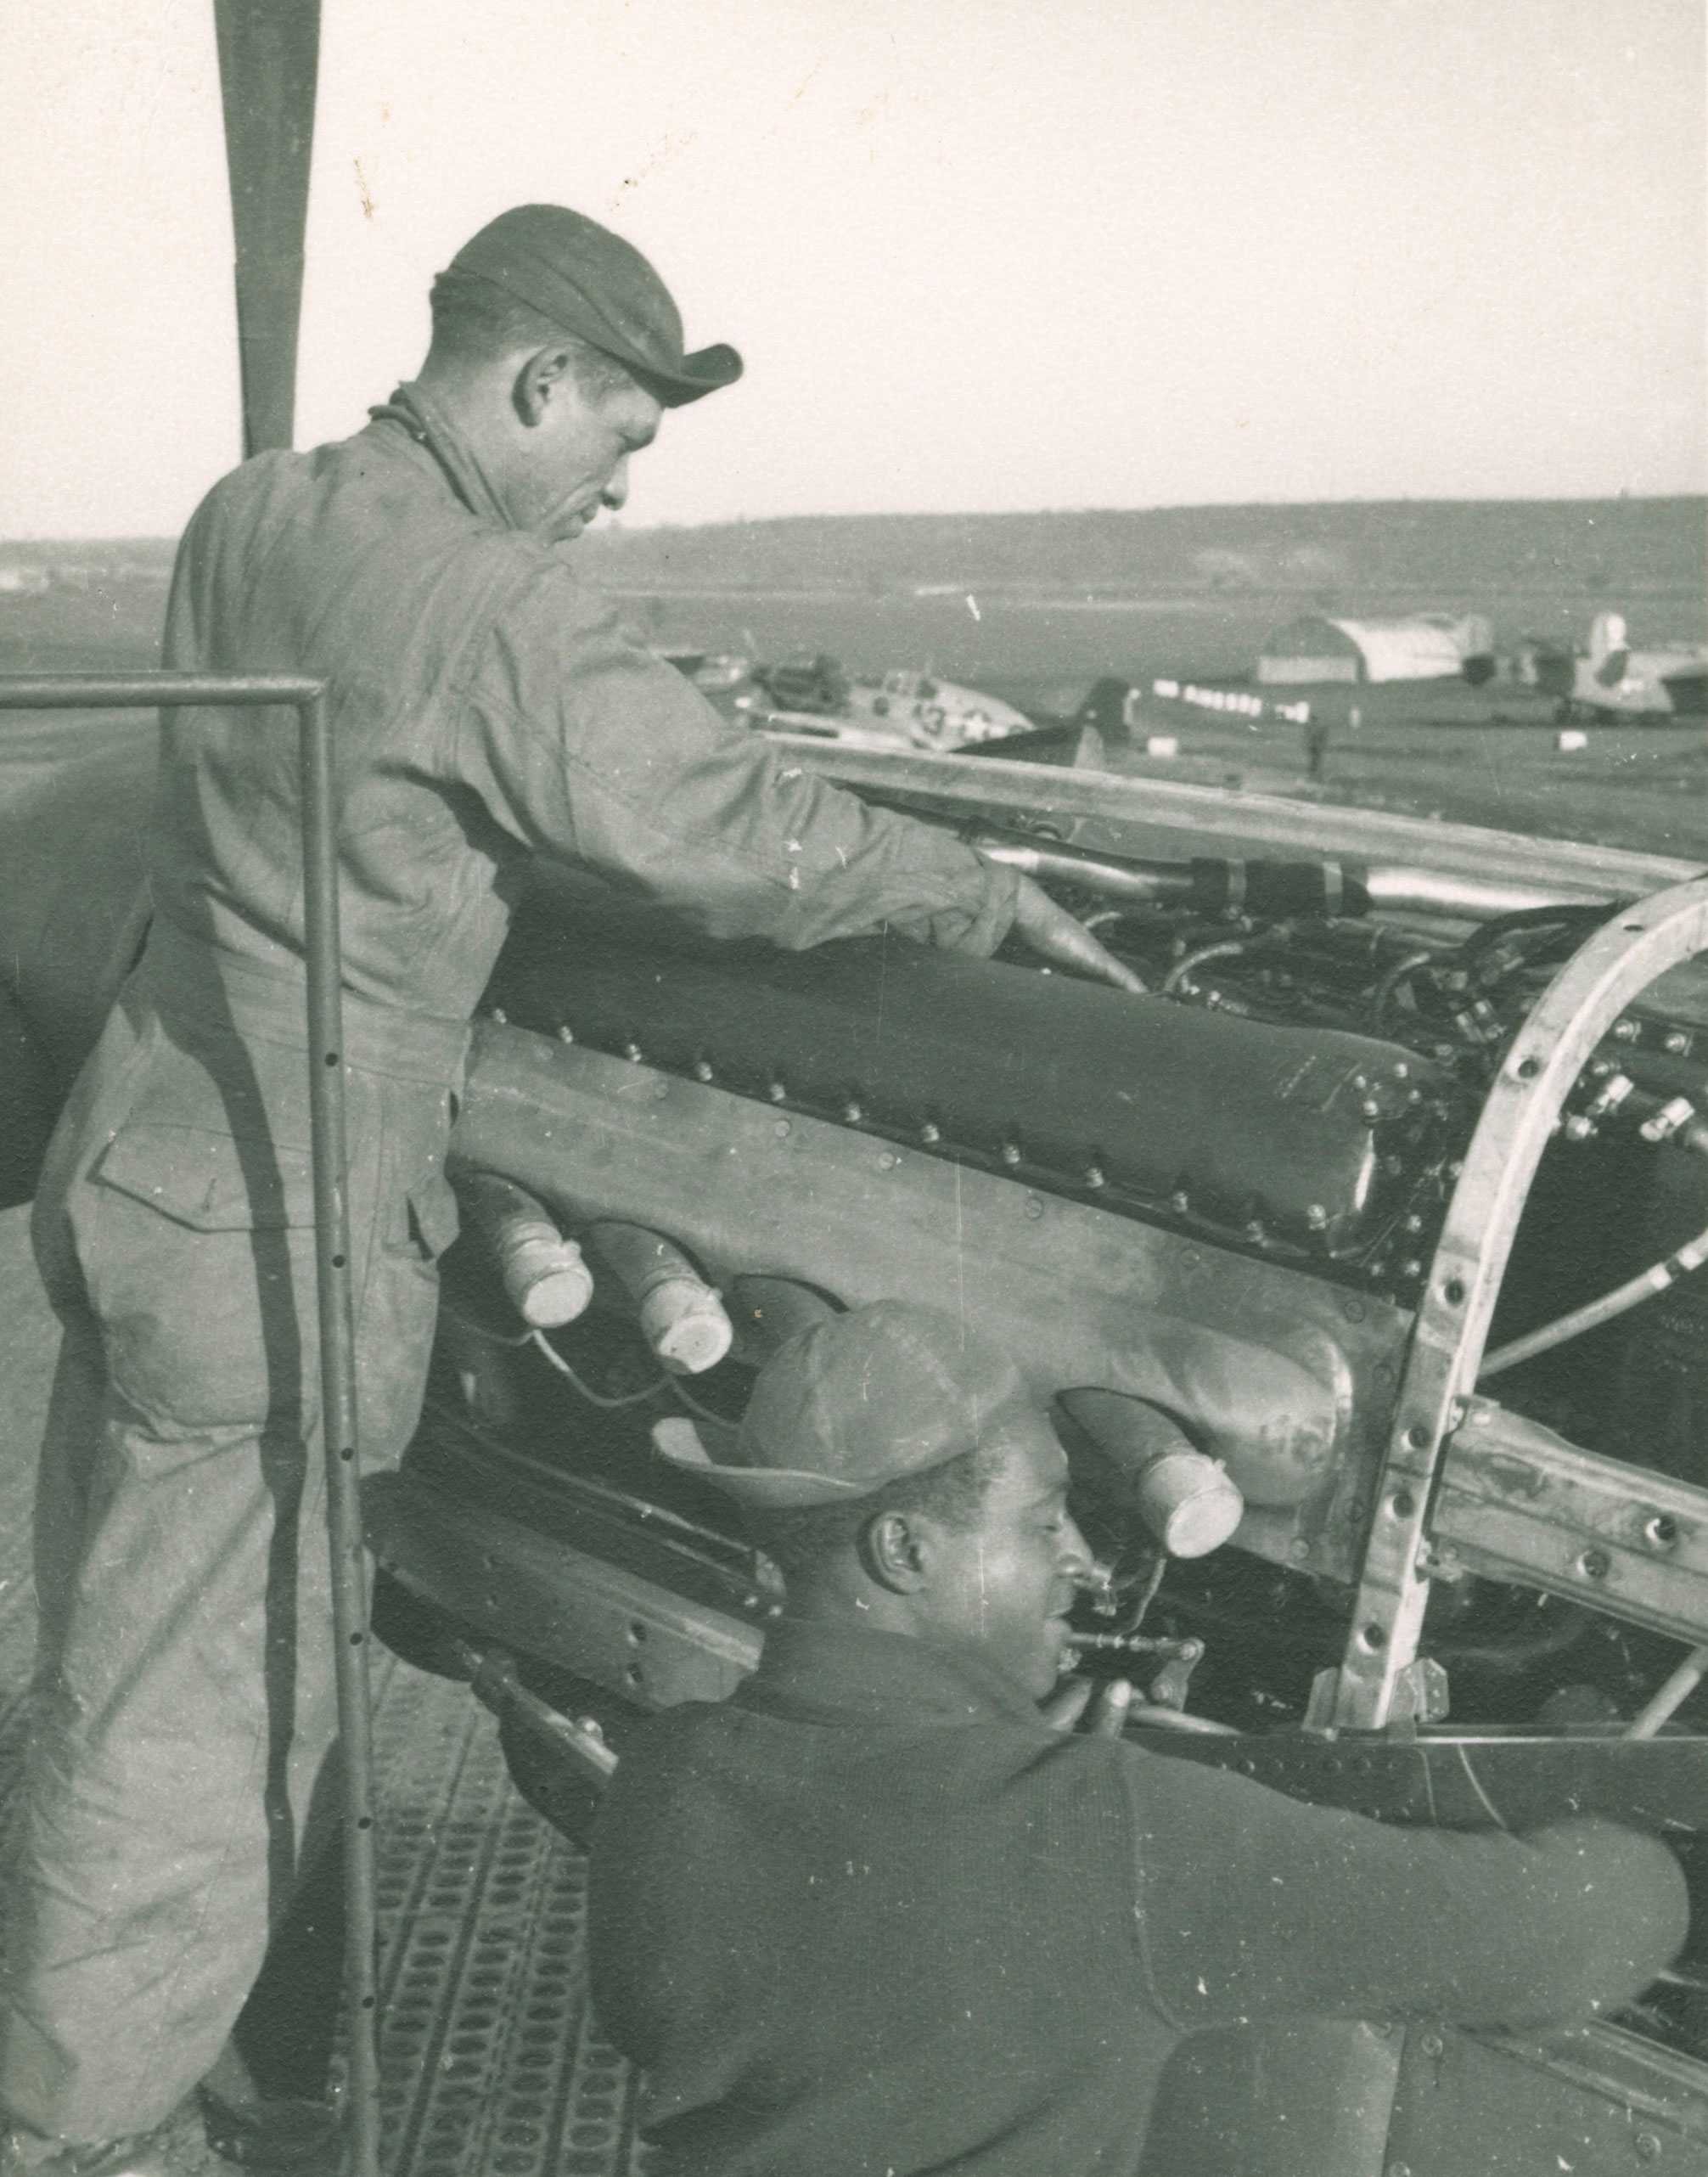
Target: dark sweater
872	1918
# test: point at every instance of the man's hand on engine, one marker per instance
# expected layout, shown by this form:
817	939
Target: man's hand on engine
1059	937
1065	1710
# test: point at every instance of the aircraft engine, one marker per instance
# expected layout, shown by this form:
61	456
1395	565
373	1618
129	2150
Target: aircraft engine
1325	1252
1359	1260
1227	1203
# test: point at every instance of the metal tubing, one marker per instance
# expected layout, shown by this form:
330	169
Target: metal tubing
1138	881
1403	889
323	961
1594	1313
325	1055
1399	887
129	691
1672	1694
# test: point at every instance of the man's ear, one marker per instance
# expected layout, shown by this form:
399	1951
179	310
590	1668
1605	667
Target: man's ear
536	382
891	1552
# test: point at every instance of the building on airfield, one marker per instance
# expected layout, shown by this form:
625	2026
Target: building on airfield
1314	647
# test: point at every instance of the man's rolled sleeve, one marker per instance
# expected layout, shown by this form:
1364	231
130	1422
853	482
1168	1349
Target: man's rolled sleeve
587	748
1253	1906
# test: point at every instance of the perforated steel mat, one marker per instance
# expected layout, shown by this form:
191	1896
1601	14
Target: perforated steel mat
491	2065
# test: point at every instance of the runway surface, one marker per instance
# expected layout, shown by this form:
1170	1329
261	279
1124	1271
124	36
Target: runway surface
491	2064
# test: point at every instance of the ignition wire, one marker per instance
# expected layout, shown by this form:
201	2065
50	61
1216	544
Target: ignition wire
595	1397
679	1391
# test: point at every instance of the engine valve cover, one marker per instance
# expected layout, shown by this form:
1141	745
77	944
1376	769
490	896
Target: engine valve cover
1309	1141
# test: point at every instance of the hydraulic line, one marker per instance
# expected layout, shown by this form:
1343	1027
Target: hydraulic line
1593	1313
1146	881
1321	886
1226	948
1472	899
1671	1695
1574	921
1399	973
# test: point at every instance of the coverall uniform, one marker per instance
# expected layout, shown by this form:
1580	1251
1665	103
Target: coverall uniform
873	1918
483	707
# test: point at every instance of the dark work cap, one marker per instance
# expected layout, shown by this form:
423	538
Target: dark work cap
591	283
859	1399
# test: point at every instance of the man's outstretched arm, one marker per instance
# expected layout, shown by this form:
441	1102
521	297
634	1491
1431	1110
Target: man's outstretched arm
1255	1905
589	749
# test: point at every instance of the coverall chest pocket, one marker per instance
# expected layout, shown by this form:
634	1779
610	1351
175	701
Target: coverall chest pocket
198	1248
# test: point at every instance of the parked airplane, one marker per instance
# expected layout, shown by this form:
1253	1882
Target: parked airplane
1614	680
810	693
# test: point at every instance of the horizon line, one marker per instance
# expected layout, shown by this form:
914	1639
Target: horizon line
616	525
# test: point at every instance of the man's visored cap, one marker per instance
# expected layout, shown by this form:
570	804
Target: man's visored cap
859	1399
591	283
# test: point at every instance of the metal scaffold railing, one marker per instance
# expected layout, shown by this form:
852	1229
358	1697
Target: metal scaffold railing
325	1057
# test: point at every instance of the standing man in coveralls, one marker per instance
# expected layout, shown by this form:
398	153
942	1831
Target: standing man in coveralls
485	708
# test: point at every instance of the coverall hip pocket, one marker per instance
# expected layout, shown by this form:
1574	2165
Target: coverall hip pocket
198	1249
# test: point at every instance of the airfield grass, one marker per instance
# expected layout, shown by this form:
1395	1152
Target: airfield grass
1469	756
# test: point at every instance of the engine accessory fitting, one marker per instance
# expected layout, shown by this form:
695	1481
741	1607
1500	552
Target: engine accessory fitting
1668	1120
1609	1096
1187	1500
681	1316
544	1274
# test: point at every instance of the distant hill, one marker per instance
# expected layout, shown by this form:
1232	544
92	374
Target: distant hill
1628	547
126	553
1414	551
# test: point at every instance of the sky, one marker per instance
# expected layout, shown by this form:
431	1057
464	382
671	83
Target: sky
979	254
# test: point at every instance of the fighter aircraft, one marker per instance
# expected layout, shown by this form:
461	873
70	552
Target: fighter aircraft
907	708
809	692
1613	680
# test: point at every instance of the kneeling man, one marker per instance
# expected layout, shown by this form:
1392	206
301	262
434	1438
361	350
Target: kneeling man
881	1915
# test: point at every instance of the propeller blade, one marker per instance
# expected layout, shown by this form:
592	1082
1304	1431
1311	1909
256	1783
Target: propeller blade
268	52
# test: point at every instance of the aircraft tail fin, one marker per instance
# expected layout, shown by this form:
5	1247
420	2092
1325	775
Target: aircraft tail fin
1609	647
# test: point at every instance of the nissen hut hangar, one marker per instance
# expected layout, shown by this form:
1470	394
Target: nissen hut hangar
1314	647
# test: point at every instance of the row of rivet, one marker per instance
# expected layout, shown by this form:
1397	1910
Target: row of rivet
1093	1177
